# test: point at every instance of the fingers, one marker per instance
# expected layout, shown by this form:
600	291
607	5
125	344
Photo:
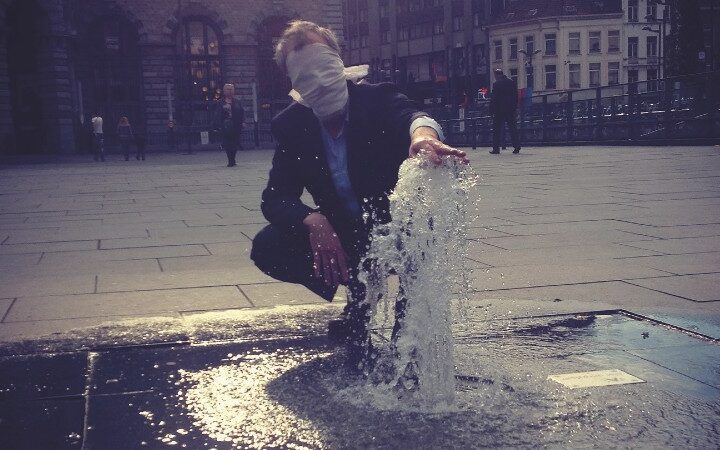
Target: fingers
435	149
326	270
317	259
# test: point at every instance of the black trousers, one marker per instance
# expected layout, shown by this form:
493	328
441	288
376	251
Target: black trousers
499	121
231	144
286	256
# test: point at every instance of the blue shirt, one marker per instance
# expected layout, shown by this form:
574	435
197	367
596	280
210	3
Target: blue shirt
336	154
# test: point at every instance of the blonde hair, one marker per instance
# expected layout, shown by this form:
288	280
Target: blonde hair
295	37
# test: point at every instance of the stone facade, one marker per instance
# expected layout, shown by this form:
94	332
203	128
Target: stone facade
73	79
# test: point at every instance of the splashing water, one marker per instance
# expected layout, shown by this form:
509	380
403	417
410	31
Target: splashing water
425	245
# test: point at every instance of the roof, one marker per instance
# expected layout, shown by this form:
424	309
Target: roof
522	10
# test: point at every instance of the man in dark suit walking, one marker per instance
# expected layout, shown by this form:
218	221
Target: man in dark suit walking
503	107
344	143
228	120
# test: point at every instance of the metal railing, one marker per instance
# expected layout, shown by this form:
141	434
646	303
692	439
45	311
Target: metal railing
684	108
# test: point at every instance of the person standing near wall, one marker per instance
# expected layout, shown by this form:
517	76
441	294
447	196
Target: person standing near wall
125	135
228	120
140	143
171	136
98	142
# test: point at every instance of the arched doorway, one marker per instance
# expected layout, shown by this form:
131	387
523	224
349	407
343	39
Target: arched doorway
199	74
107	55
272	84
24	30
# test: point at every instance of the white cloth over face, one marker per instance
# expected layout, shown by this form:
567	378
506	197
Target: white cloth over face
319	79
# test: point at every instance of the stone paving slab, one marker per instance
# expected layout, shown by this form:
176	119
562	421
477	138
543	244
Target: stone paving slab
699	288
119	304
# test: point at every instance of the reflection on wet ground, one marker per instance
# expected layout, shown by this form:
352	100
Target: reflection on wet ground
287	388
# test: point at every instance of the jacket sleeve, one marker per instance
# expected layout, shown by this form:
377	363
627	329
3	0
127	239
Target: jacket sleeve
281	203
397	112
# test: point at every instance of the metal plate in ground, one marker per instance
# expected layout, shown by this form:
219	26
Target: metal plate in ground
595	378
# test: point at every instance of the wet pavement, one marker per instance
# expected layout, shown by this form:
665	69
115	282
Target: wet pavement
272	379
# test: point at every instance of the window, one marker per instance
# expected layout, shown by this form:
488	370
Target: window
384	9
478	9
514	74
498	50
385	37
550	77
199	47
652	75
632	48
529	45
574	76
574	43
613	73
457	23
594	73
550	44
614	41
401	6
594	41
439	26
632	81
652	46
480	61
414	5
651	12
632	10
513	49
363	41
459	61
477	19
529	77
402	33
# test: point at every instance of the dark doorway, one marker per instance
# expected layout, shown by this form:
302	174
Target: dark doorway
199	72
24	40
107	55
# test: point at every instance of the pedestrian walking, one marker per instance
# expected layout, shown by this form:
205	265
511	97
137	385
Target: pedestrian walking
503	107
171	136
140	144
98	141
343	142
228	121
125	136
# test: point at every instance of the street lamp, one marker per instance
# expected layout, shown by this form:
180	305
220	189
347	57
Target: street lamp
528	65
660	32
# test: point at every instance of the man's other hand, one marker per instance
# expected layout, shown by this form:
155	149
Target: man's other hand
329	258
425	140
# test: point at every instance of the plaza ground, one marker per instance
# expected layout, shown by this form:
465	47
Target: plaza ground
132	316
560	230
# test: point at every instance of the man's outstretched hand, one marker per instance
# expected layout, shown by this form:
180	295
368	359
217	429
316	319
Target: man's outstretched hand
425	140
329	258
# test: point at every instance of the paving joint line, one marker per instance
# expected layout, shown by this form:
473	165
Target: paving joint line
246	296
7	312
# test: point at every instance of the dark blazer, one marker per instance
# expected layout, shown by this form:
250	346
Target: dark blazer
504	96
378	137
218	116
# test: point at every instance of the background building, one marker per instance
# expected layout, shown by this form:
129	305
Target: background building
555	45
434	49
148	60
